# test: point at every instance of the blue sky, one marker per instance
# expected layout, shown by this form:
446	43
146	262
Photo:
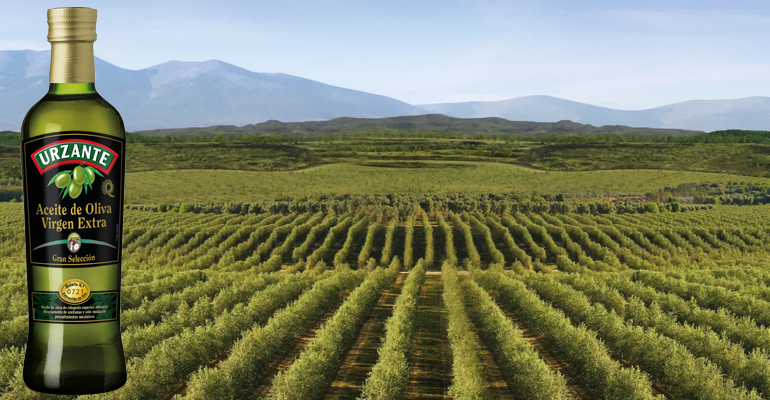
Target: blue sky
621	54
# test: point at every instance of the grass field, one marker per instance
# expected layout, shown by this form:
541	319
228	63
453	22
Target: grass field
249	171
742	159
467	177
737	159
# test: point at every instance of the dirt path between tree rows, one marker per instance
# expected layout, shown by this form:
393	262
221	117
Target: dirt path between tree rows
285	362
363	355
431	358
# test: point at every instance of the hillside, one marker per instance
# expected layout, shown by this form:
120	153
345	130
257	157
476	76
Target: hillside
424	123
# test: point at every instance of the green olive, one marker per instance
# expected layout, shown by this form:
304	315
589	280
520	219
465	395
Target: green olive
63	180
75	189
79	175
91	175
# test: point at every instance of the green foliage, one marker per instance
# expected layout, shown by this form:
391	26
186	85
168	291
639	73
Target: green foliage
252	354
748	370
267	167
470	178
418	126
387	248
341	227
133	296
409	242
515	252
366	249
713	297
186	208
309	376
449	249
354	231
733	136
183	353
473	254
522	233
496	256
584	351
651	207
389	377
664	358
680	297
468	378
317	230
526	373
427	228
139	339
11	360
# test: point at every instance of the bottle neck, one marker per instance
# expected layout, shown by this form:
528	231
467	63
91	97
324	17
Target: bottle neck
72	63
71	88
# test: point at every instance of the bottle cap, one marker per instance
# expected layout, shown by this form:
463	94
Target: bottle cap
71	24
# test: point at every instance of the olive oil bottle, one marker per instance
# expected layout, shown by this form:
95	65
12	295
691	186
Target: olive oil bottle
73	162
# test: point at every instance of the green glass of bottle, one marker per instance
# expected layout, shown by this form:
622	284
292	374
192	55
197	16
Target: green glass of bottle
73	161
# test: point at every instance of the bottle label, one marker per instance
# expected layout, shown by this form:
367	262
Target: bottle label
73	199
74	302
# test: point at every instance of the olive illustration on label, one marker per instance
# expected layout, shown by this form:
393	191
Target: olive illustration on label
75	189
90	176
75	181
62	180
79	175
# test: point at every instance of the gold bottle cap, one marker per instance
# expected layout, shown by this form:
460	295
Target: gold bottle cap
71	24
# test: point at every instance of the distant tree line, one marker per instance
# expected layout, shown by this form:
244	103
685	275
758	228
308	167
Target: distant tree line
731	193
725	137
9	138
403	205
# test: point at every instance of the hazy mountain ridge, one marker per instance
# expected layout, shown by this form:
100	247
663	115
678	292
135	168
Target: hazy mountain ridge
183	94
180	94
751	113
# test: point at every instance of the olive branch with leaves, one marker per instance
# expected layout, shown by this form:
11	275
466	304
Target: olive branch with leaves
66	180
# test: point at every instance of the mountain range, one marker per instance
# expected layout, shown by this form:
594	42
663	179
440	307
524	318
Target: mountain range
752	113
180	94
183	94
